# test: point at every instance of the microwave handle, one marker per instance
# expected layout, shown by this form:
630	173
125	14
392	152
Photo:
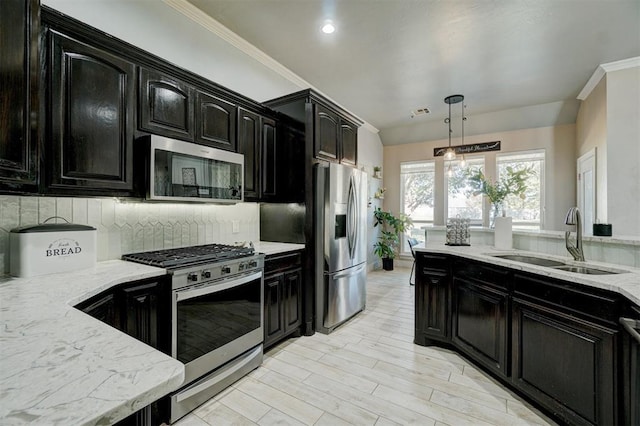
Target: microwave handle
190	293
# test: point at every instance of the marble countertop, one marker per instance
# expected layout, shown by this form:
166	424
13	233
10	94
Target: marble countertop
61	366
270	248
627	283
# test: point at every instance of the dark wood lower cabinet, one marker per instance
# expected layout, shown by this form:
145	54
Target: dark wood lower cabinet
479	323
282	297
141	309
433	277
565	363
555	342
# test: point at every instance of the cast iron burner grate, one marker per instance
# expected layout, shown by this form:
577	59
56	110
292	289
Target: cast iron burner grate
184	256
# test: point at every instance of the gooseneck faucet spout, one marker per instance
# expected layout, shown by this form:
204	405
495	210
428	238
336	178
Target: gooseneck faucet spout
574	218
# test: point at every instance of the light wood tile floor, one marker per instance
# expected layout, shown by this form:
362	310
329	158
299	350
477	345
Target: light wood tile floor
367	372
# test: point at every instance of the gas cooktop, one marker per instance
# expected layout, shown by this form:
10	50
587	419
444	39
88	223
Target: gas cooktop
187	256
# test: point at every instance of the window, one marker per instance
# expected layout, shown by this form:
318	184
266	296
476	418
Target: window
417	180
526	211
460	201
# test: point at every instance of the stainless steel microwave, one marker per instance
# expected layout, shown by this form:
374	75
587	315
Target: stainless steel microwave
184	171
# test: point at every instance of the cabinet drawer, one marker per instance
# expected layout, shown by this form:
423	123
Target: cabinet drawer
432	262
281	262
481	273
588	303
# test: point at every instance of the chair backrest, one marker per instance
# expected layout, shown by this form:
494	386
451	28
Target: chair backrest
412	242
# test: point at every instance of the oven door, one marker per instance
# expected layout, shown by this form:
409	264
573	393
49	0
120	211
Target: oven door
215	322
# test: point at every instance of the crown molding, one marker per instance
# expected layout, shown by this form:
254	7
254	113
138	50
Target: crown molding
198	16
602	70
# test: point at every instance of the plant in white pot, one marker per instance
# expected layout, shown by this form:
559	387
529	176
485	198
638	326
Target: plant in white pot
513	182
391	228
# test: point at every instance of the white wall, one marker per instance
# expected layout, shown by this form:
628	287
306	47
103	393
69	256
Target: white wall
369	155
558	143
591	132
623	151
609	120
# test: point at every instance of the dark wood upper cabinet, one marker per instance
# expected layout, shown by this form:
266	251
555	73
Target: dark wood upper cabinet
166	105
215	122
270	155
19	23
249	145
257	140
91	119
331	133
326	135
349	139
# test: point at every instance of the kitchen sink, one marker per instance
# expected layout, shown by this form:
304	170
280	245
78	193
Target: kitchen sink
586	270
533	260
555	264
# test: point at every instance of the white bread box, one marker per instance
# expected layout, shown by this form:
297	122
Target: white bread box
47	248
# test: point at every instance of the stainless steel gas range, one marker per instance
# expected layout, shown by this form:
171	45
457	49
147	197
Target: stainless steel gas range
217	316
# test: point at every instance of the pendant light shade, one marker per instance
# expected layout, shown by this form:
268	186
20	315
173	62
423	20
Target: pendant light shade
450	153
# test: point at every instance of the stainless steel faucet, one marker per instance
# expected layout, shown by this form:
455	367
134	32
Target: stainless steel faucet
574	218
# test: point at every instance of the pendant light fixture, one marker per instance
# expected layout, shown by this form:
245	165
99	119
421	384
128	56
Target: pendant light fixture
450	154
463	162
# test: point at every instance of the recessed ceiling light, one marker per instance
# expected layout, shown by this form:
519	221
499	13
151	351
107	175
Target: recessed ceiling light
328	27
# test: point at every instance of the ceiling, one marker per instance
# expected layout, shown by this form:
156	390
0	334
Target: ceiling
389	57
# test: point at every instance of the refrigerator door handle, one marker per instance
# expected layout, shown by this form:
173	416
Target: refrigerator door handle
352	217
349	272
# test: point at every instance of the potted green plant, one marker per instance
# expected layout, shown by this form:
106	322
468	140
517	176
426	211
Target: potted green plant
513	182
376	172
391	228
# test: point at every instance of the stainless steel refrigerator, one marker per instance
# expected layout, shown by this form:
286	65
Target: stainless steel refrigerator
341	238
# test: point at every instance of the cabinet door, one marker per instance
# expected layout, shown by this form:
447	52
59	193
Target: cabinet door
433	281
166	105
269	154
565	363
273	309
479	323
326	134
292	300
348	143
215	122
432	287
103	308
19	94
91	124
249	145
141	309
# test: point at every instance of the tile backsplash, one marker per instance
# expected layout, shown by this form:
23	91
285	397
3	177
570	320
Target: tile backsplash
126	227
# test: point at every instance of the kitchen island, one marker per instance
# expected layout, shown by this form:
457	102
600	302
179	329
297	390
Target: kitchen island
553	335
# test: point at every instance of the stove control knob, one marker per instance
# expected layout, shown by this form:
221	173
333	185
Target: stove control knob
192	277
226	270
241	267
206	274
253	264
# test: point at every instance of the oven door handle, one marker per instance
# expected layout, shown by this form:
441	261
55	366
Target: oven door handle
190	293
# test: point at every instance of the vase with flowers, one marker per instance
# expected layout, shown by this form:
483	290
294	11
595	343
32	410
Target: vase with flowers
513	182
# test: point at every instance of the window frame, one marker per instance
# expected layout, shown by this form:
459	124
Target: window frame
473	222
417	224
526	225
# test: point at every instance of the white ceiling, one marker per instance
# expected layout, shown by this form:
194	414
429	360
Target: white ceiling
389	57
